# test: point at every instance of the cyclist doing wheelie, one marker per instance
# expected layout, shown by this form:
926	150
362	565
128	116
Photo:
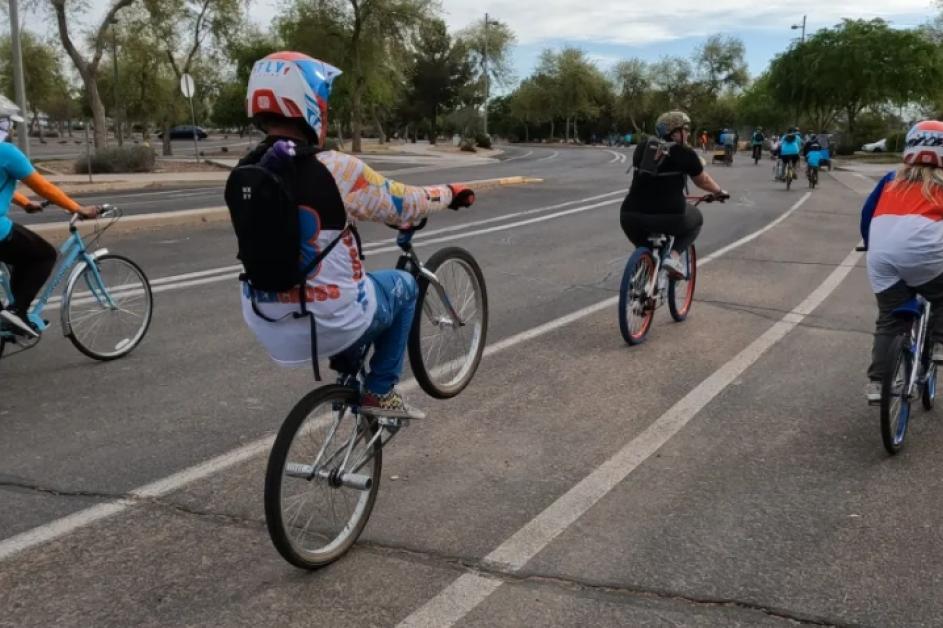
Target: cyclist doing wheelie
902	227
789	148
656	200
29	255
288	99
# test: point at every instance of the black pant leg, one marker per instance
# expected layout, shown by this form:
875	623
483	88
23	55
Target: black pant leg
31	259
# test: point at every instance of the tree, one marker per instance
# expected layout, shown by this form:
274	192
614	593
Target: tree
720	60
86	66
631	79
45	82
182	28
578	85
856	65
439	70
527	105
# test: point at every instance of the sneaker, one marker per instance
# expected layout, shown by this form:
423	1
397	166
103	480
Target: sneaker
675	267
18	325
937	355
873	392
392	404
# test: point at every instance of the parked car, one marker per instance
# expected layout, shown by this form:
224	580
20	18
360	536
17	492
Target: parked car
879	146
184	133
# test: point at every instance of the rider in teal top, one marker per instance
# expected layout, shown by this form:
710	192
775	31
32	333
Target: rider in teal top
789	148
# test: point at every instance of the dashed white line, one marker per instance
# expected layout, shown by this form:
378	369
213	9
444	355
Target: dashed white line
553	155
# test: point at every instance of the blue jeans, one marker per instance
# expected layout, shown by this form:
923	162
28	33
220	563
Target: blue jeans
389	331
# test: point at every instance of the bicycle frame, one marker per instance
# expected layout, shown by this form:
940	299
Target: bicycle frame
918	339
73	258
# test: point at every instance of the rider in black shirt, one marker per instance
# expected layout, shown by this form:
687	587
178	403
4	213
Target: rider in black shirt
656	203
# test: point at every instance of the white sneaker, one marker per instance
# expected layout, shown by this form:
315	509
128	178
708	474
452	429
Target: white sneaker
873	392
19	326
675	267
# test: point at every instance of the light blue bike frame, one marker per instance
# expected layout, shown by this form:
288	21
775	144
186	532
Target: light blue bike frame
73	258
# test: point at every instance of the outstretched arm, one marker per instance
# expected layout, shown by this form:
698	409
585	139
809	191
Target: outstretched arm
368	195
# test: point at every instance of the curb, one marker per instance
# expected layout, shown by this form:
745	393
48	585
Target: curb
207	215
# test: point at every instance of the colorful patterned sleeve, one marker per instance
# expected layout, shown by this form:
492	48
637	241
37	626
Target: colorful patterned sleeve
368	195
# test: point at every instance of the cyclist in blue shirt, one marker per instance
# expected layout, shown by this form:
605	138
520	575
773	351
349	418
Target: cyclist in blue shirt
31	257
789	148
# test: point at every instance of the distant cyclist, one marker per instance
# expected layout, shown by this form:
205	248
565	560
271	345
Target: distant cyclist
789	148
812	151
756	141
656	202
30	257
902	226
728	140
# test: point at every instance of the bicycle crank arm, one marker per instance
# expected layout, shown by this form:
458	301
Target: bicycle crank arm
356	481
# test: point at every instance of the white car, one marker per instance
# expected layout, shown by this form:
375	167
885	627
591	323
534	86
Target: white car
879	146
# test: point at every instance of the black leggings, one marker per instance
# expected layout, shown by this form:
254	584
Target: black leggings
684	227
31	259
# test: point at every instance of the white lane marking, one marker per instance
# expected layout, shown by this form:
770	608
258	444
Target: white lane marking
616	156
66	525
861	176
458	599
524	156
755	234
553	155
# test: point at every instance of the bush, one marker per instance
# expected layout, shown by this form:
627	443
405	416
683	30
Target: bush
467	145
330	143
483	141
896	141
845	149
118	159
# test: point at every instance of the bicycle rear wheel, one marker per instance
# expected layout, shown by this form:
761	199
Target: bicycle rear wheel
636	310
312	518
106	310
444	355
895	405
681	291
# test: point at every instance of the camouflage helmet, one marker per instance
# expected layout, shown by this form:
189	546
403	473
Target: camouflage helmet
670	122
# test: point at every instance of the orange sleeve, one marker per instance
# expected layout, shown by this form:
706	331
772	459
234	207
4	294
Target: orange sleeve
20	200
39	184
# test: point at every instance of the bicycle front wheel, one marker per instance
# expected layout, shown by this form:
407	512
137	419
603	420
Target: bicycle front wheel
107	308
444	353
636	309
681	291
313	515
895	403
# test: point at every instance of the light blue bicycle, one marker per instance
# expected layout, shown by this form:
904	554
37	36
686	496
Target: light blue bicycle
106	306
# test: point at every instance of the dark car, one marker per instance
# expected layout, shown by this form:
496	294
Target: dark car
184	133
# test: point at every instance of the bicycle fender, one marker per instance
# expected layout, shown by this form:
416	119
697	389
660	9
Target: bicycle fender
73	277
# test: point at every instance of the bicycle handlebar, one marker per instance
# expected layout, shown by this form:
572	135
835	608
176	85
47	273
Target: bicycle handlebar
708	198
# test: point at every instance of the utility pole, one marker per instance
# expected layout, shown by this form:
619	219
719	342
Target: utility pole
797	26
114	91
485	68
19	85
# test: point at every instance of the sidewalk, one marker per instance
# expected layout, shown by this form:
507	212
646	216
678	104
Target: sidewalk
410	155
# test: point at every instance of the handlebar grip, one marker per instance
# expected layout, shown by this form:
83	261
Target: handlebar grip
861	248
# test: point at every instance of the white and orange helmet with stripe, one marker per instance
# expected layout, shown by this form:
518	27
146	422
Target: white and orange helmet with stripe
292	85
924	144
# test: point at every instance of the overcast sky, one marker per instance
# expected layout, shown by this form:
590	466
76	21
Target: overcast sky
612	29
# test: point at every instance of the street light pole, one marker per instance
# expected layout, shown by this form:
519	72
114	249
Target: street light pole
485	67
114	91
802	26
19	84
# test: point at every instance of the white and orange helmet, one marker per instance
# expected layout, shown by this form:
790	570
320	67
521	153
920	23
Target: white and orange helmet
291	85
924	144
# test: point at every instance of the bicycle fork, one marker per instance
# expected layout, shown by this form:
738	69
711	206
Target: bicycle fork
917	349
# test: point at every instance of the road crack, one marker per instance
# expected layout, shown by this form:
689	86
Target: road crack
488	570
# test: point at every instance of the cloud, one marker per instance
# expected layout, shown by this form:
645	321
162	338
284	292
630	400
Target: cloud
643	23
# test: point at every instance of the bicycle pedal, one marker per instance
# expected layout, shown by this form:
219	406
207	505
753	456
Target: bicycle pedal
392	423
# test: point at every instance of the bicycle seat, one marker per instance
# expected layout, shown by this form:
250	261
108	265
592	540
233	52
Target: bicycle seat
913	307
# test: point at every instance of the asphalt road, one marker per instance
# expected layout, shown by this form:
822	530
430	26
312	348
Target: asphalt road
727	472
